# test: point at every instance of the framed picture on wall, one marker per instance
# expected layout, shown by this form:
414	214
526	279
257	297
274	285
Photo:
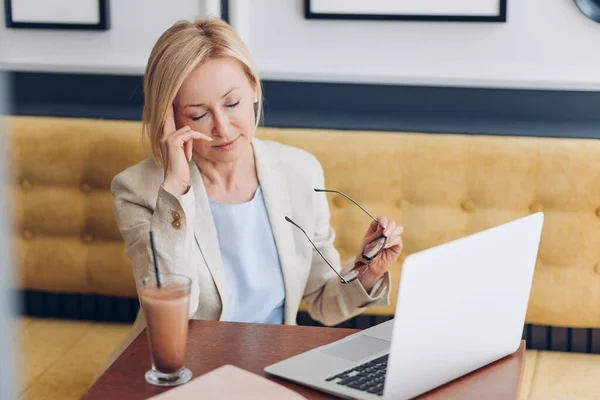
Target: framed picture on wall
408	10
57	14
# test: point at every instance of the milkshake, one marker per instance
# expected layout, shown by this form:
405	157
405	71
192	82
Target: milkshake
166	309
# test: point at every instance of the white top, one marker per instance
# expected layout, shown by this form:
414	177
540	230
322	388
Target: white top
255	289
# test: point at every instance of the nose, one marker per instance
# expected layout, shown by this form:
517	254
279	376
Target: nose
221	124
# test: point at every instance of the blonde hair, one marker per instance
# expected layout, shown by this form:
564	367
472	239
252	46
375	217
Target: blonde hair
179	50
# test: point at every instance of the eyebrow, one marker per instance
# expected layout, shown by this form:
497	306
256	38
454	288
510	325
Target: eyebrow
202	105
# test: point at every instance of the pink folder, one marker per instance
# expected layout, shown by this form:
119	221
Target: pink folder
230	382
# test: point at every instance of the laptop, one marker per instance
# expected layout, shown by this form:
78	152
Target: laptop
461	305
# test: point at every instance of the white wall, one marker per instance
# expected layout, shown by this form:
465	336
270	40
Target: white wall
545	43
559	50
124	49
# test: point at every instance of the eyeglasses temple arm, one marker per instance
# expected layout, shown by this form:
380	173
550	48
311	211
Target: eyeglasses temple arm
311	242
349	198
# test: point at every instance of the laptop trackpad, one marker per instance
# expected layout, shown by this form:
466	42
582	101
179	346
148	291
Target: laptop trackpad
357	348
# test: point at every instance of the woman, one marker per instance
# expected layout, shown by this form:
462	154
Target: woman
216	197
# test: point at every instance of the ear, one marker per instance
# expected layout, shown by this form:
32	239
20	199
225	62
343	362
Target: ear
255	92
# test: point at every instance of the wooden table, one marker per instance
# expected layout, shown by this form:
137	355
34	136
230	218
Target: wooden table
254	346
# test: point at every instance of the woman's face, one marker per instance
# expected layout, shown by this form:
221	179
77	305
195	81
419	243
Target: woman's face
217	99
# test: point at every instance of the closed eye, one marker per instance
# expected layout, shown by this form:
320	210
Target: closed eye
237	103
199	118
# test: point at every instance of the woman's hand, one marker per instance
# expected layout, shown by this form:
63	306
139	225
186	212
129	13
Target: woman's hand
387	256
177	153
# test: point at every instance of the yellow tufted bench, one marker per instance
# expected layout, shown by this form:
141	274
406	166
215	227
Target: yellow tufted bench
440	187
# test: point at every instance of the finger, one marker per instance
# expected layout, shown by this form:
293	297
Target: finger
188	149
191	134
383	222
394	244
181	138
374	231
397	232
373	226
169	135
390	228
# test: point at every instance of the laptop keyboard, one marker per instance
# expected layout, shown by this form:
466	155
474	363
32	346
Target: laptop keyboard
368	377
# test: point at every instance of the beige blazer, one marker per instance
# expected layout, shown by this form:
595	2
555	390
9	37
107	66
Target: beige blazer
186	240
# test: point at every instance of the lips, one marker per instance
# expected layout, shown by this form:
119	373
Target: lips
228	145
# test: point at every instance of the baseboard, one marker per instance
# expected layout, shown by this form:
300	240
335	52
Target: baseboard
99	308
537	337
86	307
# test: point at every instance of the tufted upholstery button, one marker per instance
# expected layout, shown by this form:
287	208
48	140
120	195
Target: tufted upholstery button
597	268
26	185
177	224
176	216
27	234
87	238
535	207
598	211
86	187
402	204
468	205
338	201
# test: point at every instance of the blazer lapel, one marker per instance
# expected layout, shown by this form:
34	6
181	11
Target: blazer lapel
206	234
277	203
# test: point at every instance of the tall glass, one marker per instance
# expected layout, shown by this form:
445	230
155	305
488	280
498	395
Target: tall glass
166	309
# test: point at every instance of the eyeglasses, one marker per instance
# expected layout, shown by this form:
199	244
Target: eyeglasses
371	250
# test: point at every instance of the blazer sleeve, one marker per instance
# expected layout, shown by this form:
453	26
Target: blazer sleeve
173	240
329	300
